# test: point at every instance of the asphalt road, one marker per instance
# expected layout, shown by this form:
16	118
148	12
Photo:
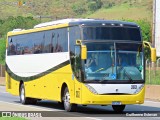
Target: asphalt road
54	110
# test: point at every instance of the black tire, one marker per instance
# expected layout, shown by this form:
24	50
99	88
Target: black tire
118	108
32	101
61	105
69	107
23	99
22	96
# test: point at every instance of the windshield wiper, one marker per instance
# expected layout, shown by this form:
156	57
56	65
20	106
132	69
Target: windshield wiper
101	81
95	81
107	74
91	81
129	77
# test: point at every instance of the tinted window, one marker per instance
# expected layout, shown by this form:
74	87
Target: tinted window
47	41
39	42
21	44
60	42
11	46
111	33
74	34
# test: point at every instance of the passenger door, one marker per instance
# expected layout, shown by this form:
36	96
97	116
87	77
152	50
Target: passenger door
77	73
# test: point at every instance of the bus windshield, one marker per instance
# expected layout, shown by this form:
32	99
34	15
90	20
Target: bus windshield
114	61
111	33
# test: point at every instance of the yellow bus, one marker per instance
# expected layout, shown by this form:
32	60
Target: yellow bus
77	62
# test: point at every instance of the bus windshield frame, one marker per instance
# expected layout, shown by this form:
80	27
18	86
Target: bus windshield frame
116	51
110	62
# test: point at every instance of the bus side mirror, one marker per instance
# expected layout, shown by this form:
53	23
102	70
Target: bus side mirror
83	52
153	54
153	50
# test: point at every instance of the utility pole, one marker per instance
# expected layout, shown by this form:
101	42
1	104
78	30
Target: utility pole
156	23
153	23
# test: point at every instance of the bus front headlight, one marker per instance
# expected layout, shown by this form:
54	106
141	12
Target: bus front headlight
91	89
139	89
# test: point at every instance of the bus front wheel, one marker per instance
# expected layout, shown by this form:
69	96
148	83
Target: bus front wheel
118	108
66	100
23	98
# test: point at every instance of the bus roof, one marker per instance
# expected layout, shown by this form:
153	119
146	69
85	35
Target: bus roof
63	21
71	22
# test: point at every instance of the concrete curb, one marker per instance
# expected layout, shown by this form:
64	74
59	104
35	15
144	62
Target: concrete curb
153	92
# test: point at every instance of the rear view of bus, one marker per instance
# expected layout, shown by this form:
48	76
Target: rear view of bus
111	60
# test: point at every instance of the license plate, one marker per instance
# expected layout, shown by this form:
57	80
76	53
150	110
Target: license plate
116	103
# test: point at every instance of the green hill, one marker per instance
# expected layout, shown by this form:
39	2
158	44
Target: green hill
58	9
25	14
123	11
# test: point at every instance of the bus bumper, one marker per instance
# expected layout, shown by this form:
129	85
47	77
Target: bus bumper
93	99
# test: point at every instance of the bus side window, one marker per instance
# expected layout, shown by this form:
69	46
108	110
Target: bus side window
52	38
38	43
12	47
58	47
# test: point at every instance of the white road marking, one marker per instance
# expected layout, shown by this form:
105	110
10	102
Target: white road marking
4	92
93	118
151	101
33	107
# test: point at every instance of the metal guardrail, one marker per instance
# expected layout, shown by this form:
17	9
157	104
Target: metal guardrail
158	62
153	72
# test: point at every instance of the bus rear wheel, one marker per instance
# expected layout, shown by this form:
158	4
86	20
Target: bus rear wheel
66	101
118	108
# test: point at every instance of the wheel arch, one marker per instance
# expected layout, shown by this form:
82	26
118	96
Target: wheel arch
20	83
64	85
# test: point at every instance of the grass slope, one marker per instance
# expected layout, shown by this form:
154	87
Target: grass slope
123	11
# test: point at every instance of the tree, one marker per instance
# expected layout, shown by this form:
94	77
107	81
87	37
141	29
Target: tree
78	8
94	5
17	22
2	51
8	25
